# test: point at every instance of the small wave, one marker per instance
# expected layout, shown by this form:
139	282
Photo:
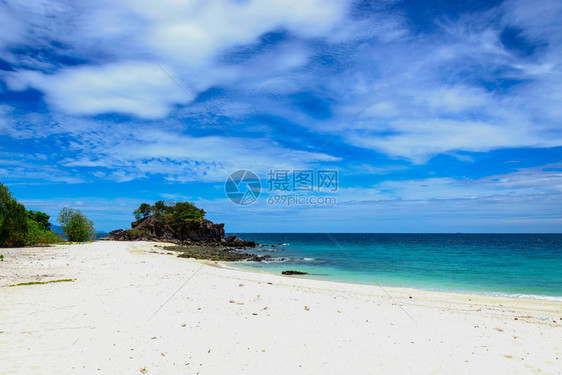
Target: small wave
529	296
275	260
308	259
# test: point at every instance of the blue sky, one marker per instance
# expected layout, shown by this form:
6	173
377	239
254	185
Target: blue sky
464	136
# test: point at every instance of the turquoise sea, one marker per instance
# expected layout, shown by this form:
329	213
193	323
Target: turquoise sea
516	265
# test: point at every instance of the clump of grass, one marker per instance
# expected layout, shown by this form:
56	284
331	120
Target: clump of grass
64	242
1	258
143	370
44	282
136	251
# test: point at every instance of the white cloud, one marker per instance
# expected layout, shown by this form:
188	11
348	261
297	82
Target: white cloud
537	19
193	33
462	90
134	88
449	98
91	150
521	201
12	28
187	37
525	183
181	157
420	140
454	99
129	150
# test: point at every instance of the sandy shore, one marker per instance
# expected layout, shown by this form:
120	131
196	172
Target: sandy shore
132	307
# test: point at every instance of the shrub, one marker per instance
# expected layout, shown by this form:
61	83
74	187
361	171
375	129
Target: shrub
13	220
41	218
39	229
19	227
75	225
38	235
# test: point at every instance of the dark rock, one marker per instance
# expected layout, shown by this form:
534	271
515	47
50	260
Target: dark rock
198	239
117	234
290	272
234	241
215	253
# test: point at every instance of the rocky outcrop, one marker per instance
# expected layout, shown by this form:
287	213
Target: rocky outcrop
158	228
216	254
290	272
234	241
163	229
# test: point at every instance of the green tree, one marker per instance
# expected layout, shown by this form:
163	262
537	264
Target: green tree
13	220
143	211
159	208
75	225
186	211
177	212
38	235
41	218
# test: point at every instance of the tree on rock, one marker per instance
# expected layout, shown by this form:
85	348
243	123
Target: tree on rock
144	211
75	225
160	208
186	211
176	212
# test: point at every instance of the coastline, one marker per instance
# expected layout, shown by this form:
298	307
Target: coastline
490	294
510	265
132	306
403	292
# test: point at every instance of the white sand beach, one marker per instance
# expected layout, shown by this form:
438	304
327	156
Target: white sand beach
134	309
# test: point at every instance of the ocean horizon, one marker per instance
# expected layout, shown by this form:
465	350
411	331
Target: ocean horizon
520	265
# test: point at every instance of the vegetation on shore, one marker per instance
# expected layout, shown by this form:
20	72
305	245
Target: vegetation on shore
13	220
20	227
76	226
39	229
